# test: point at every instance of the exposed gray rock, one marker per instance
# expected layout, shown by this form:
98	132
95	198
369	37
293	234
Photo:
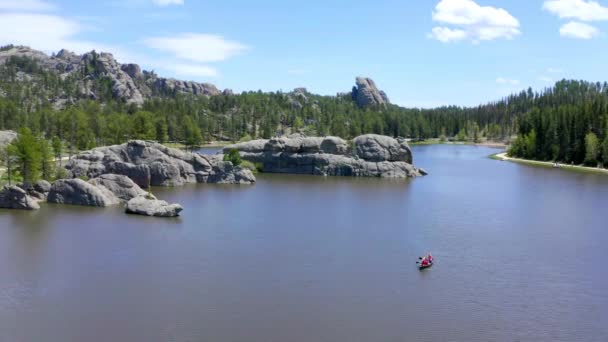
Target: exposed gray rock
169	86
129	82
377	148
38	191
365	93
123	86
133	70
42	186
13	197
366	156
6	137
149	163
78	192
143	205
121	186
226	173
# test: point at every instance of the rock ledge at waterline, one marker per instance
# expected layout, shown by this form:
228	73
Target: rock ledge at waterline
367	155
149	163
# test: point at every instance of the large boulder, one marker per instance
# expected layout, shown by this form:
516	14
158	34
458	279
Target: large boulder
378	148
121	186
366	156
226	173
42	186
143	205
149	163
13	197
38	191
78	192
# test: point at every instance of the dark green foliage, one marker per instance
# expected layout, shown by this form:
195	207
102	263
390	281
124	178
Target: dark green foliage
233	156
25	150
592	149
551	125
557	127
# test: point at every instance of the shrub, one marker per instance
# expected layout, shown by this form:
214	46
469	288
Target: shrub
233	156
246	138
246	164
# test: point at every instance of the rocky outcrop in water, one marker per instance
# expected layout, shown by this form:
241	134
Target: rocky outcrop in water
146	206
366	156
13	197
78	192
365	93
120	186
149	163
103	191
38	191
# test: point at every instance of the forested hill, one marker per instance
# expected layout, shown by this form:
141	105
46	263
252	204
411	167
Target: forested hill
91	100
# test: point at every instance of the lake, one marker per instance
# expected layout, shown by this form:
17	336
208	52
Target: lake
518	253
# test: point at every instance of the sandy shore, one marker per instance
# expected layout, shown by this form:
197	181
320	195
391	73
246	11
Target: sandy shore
503	156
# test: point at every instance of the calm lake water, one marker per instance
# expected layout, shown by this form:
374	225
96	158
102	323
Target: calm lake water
520	256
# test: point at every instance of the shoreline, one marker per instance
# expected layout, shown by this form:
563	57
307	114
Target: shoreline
502	156
492	144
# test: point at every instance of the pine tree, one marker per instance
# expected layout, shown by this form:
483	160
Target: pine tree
57	146
605	151
46	159
591	149
25	150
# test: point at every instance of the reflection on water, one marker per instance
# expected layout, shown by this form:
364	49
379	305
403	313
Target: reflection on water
304	258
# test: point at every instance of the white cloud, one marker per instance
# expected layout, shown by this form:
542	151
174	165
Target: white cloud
41	31
502	80
555	70
446	34
577	9
163	3
472	22
26	5
197	47
578	30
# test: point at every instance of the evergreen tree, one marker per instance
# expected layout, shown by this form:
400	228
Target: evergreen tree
25	150
143	127
193	136
161	129
592	149
46	159
605	151
57	146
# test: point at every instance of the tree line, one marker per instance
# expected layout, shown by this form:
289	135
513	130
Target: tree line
565	123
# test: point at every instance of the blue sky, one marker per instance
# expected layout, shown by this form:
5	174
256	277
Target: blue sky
421	52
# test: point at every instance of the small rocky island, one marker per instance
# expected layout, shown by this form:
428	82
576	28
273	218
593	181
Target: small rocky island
365	156
116	175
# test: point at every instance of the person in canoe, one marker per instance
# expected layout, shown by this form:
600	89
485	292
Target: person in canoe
426	262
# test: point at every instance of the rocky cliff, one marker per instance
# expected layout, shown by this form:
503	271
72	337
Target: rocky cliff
128	82
366	156
366	93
